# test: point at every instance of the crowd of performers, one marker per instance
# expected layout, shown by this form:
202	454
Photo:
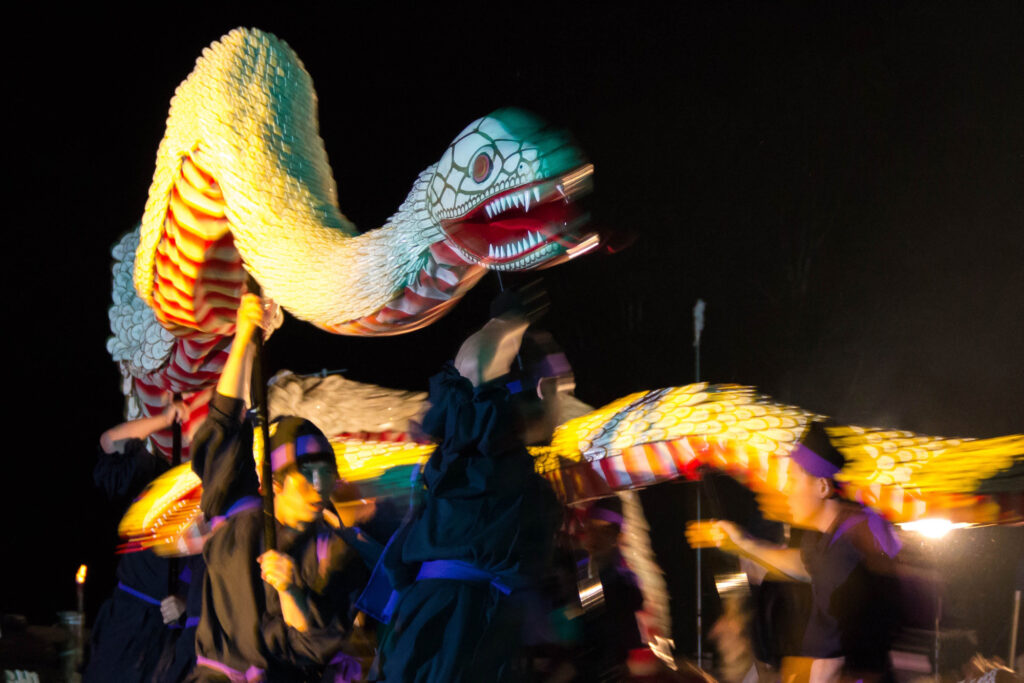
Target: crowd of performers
471	582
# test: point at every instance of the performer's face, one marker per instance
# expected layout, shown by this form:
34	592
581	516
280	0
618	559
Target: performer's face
541	417
300	498
321	476
806	496
598	537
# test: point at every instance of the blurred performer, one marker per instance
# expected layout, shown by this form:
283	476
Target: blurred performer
269	614
182	659
780	611
847	555
133	623
485	527
609	629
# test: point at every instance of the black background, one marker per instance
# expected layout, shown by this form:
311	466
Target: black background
843	183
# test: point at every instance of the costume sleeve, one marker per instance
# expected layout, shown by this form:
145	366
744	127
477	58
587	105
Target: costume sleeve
123	475
312	648
222	457
483	502
472	426
242	622
330	588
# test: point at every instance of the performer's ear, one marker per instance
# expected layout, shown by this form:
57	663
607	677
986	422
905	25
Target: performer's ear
825	488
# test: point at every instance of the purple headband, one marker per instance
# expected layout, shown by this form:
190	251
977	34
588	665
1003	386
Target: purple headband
605	515
290	452
812	463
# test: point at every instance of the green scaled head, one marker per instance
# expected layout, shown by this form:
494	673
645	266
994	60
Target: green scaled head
505	193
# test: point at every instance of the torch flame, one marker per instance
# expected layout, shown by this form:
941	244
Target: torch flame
80	574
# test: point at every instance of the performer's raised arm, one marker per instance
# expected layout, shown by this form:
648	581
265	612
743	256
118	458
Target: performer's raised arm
222	449
124	465
732	539
238	368
113	439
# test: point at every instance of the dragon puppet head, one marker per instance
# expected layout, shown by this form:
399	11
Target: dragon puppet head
504	192
242	182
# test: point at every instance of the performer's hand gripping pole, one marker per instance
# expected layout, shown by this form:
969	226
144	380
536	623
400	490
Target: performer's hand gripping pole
259	396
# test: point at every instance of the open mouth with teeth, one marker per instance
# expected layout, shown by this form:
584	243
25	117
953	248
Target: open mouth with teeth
527	226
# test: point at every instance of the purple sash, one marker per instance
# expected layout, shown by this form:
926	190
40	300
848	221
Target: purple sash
251	675
456	570
879	528
240	505
138	594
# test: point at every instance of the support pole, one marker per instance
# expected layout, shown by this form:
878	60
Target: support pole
1014	624
938	617
700	617
698	328
175	437
173	566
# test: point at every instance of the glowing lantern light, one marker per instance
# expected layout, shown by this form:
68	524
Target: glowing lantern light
932	527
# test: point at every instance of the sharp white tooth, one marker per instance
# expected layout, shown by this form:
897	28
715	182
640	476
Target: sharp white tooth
526	201
536	193
523	245
490	214
534	239
490	251
518	199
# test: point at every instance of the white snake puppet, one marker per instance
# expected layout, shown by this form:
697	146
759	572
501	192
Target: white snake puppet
242	187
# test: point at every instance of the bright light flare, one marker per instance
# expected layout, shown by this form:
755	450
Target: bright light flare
729	583
591	593
932	527
80	574
662	649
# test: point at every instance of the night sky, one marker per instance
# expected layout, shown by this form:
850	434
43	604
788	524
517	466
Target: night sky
842	183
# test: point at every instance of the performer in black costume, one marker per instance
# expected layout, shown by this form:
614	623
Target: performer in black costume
270	614
847	554
485	526
183	657
609	629
135	621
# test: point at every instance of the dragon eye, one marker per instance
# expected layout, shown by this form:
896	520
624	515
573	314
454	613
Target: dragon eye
481	167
